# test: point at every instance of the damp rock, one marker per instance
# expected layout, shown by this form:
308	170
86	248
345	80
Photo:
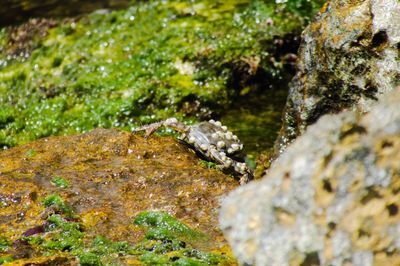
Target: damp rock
108	177
332	198
348	58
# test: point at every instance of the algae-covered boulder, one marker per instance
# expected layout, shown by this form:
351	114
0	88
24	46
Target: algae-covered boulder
15	11
349	56
60	194
156	59
332	198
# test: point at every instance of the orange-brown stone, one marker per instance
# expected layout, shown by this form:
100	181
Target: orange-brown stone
113	175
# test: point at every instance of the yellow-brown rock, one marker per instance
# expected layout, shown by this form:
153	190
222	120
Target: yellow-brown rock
112	175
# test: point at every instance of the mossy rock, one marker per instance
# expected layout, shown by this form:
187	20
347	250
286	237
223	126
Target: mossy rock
127	199
145	63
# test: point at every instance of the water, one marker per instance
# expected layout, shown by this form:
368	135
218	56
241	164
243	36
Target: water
257	120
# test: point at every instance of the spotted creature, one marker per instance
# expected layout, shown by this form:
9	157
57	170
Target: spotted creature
212	140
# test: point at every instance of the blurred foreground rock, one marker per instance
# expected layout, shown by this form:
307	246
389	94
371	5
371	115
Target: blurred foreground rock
332	198
349	56
112	176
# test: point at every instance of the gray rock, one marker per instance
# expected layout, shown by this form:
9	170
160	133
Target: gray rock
349	56
332	198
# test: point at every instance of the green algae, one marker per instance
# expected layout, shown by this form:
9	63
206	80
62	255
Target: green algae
3	40
4	259
257	121
60	182
207	164
103	246
148	62
56	202
68	236
89	259
20	10
4	243
166	241
60	235
30	153
162	226
189	257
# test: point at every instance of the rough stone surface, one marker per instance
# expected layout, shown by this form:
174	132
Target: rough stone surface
332	198
349	56
113	175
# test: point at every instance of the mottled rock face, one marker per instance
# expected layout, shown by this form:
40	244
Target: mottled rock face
349	56
112	176
332	198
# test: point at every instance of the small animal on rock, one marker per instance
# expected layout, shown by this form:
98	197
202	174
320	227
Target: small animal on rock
212	140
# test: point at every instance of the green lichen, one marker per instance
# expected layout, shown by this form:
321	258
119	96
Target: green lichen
148	62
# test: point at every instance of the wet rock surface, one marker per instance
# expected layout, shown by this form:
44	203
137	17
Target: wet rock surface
349	56
332	198
16	11
112	175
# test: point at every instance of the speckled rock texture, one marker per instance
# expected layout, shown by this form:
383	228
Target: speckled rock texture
112	175
349	56
332	198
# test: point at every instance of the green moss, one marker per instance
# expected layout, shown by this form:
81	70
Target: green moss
151	61
60	182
